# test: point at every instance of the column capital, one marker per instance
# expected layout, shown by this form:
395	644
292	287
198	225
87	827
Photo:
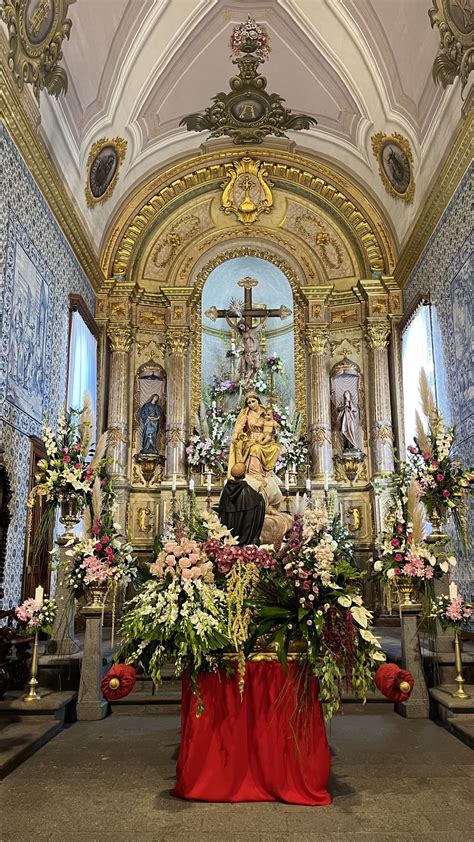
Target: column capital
317	340
177	341
120	336
377	333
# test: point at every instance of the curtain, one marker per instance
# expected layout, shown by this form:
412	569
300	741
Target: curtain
421	347
82	364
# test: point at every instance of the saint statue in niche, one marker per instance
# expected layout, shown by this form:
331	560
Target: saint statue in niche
151	416
348	422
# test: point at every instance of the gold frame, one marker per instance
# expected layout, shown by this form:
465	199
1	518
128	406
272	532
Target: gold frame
120	146
380	140
37	64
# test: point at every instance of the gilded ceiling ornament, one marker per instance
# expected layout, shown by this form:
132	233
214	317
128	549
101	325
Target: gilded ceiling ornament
395	159
247	193
248	113
179	235
343	316
455	21
329	249
36	30
377	334
120	337
103	164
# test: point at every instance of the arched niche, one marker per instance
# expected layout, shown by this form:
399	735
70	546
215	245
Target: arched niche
150	381
277	336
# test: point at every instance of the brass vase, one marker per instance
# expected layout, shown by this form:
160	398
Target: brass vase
70	517
438	522
405	587
96	594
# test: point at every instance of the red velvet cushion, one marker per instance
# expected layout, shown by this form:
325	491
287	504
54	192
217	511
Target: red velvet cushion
126	675
388	679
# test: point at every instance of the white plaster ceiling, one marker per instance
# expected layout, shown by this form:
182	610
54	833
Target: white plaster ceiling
136	67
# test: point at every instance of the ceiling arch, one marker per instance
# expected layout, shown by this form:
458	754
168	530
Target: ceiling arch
353	213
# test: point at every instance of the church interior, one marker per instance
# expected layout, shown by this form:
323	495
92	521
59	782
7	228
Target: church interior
236	419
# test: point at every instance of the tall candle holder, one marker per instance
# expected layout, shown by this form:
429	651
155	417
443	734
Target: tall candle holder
460	693
32	695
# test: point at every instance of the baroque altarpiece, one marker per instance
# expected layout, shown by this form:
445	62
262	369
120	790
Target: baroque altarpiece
317	257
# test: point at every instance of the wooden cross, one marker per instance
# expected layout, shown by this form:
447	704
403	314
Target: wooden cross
249	313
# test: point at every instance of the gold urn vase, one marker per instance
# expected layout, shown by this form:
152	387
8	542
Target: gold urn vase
406	588
96	595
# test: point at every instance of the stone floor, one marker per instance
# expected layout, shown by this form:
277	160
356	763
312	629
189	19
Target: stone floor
393	779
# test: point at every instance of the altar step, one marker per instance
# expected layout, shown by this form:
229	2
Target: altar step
166	699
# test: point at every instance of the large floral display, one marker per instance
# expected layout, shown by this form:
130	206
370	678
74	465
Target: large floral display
209	603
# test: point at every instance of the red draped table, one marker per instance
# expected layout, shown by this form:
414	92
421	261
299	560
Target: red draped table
244	749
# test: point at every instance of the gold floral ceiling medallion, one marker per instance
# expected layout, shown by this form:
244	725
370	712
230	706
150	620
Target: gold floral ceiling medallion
36	30
103	166
248	113
247	193
395	160
455	21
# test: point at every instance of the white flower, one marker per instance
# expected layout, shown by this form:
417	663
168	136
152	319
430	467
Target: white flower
345	601
378	566
361	615
367	635
378	655
452	560
391	573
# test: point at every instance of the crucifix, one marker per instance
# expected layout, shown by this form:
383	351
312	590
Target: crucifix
242	321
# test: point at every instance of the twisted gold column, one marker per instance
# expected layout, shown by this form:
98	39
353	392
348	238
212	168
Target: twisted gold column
177	344
377	335
319	406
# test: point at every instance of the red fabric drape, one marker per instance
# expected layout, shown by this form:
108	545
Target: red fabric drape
245	749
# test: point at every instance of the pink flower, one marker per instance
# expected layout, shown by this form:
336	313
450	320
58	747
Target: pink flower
170	560
184	563
399	527
306	585
446	493
398	557
454	610
98	546
66	458
440	477
435	464
426	454
395	542
187	574
78	466
412	449
193	558
105	539
65	450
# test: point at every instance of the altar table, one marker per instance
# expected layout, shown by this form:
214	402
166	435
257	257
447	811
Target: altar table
245	749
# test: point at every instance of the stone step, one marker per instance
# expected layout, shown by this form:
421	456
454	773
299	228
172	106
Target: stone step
20	738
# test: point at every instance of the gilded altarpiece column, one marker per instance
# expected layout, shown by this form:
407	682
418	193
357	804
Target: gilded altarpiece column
120	337
177	345
377	334
319	405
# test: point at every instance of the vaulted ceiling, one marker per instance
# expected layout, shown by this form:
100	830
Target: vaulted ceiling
136	67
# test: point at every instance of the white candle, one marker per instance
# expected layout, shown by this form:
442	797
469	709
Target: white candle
294	467
39	594
326	482
209	482
173	483
308	485
453	590
287	481
191	486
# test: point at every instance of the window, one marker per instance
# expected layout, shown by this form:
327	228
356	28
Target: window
82	375
421	348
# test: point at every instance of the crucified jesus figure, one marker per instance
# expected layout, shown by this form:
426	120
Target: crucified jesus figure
250	358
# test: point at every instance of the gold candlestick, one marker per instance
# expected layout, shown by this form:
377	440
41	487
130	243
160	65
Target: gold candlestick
460	693
32	695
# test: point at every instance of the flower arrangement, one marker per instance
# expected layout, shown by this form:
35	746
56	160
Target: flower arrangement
207	595
179	614
294	448
71	464
452	612
313	595
442	482
274	364
104	557
250	37
208	449
35	615
402	549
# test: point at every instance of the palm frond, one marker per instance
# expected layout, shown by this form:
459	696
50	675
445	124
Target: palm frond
97	499
416	514
426	395
88	522
86	424
100	450
421	436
